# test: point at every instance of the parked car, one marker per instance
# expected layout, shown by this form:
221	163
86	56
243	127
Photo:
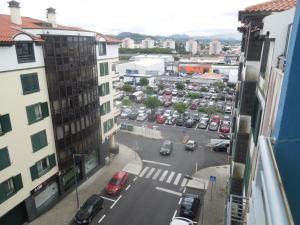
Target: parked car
180	93
214	96
189	206
141	117
116	183
220	147
89	209
160	92
166	148
196	117
193	106
125	112
228	109
160	119
174	92
213	126
167	103
203	103
179	121
142	109
191	145
175	100
212	90
170	120
181	221
208	95
167	113
159	111
224	128
215	118
186	116
202	124
220	105
176	114
168	92
133	115
190	123
211	103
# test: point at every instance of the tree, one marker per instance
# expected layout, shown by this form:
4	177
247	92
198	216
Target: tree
220	85
161	86
126	102
180	86
149	90
180	107
204	89
152	102
144	81
194	95
127	88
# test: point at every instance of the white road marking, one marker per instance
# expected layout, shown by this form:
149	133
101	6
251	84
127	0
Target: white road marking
179	201
156	174
170	177
174	213
150	172
163	176
116	201
128	187
158	163
135	178
144	171
102	218
169	191
183	183
177	179
184	190
109	199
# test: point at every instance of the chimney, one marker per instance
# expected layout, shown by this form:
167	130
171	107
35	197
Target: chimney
15	16
51	16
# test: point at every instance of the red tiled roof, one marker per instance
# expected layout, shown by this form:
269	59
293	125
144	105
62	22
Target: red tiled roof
272	6
109	39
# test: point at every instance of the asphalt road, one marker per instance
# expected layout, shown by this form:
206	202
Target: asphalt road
153	197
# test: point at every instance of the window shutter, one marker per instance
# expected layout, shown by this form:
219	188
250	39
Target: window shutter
52	160
3	195
101	110
34	172
108	107
45	110
35	80
43	138
30	114
35	141
102	69
5	123
4	158
100	90
107	85
106	69
18	184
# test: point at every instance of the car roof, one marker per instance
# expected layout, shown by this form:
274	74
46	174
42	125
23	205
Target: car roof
181	221
167	142
91	200
119	174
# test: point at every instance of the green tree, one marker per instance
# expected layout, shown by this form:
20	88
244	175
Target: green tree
180	86
180	107
194	95
204	89
144	81
152	103
126	102
127	88
220	85
161	86
149	90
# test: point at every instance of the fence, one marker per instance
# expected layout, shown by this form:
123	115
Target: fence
150	132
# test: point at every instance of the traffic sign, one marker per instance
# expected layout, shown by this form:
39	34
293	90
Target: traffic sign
213	178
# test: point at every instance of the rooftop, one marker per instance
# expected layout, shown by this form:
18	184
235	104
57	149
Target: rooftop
271	6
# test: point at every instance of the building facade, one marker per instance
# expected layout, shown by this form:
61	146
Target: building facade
191	46
127	43
258	182
53	74
215	47
147	43
169	44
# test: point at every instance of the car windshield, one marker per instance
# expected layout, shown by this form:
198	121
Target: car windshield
114	181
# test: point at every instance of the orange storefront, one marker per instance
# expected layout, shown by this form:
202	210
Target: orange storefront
193	68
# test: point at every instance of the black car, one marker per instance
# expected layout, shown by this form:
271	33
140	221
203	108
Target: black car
196	117
166	148
221	147
190	123
89	209
133	115
179	121
189	206
185	116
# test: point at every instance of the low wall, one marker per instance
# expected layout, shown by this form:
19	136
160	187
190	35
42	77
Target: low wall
142	131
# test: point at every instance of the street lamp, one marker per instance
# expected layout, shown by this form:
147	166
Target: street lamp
74	168
189	177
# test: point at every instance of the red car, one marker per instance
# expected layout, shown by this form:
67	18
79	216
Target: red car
224	128
116	183
160	119
215	119
193	106
168	92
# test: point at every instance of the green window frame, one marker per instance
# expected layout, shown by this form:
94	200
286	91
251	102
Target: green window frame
108	125
37	112
42	166
4	158
104	69
105	108
9	187
102	48
39	140
5	125
256	120
103	89
30	83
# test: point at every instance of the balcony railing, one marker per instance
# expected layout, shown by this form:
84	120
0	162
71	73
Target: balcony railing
237	210
281	62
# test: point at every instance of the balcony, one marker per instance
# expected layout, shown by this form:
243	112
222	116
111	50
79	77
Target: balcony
247	97
281	62
237	210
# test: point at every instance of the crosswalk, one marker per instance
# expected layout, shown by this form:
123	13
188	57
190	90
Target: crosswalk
170	177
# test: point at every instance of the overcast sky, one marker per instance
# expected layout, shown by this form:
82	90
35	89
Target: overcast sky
153	17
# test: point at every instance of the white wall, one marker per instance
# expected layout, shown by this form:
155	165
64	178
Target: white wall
142	69
112	51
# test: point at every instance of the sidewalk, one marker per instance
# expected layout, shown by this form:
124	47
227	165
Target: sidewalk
64	211
213	209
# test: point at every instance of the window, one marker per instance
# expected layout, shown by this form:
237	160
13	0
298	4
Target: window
102	48
128	71
107	125
105	108
117	120
255	120
254	48
42	167
37	112
30	83
104	69
39	140
25	52
5	125
264	59
4	158
287	41
103	89
10	187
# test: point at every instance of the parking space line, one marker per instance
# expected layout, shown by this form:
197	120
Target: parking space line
174	213
102	218
150	172
158	163
183	183
135	178
116	201
184	189
163	175
156	174
128	187
109	199
170	177
169	191
177	179
179	202
144	171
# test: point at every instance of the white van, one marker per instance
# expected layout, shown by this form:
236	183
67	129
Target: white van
181	221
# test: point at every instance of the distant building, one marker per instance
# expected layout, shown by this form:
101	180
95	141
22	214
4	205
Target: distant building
191	46
165	57
147	43
215	47
127	43
169	44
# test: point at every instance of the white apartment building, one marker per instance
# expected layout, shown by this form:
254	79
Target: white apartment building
191	46
169	44
215	47
127	43
56	105
147	43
